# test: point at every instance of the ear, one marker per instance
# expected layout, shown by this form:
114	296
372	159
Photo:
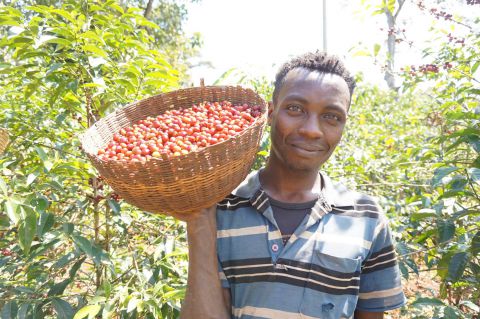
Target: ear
270	111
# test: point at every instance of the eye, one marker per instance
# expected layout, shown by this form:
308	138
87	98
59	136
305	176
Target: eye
332	117
294	108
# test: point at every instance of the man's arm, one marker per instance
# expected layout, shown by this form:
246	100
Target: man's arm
368	315
205	296
227	297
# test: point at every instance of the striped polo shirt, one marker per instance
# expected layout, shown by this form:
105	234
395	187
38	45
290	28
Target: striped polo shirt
340	258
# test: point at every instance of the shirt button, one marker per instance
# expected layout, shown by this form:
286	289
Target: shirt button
275	247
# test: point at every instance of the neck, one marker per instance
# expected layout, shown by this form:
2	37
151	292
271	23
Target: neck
289	185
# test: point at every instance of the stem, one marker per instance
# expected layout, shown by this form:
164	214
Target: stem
466	75
107	227
424	249
96	220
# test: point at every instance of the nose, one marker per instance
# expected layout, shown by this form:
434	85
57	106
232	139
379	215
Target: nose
311	128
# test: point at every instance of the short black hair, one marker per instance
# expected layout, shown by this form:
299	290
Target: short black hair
314	61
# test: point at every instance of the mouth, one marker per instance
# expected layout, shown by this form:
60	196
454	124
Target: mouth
308	149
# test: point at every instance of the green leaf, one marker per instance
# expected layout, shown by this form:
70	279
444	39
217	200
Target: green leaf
442	172
114	205
145	23
3	186
39	8
403	269
45	223
90	35
132	304
378	11
126	83
83	244
90	311
9	311
474	174
376	49
157	74
475	67
64	260
32	177
27	228
68	228
48	165
445	229
25	311
40	203
73	271
95	50
9	21
65	14
62	308
456	266
451	313
41	153
12	209
475	246
391	6
474	141
115	6
54	67
59	288
423	301
422	214
107	288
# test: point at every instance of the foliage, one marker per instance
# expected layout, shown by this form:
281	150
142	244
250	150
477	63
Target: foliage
447	227
68	247
434	202
170	37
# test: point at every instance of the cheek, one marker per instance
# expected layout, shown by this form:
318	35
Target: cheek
279	128
334	135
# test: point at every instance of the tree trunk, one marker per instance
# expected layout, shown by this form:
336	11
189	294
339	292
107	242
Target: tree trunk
389	71
148	10
391	42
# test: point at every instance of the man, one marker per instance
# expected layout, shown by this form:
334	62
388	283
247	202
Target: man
291	243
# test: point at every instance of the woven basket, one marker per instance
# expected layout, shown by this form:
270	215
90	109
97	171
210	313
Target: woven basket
3	140
186	183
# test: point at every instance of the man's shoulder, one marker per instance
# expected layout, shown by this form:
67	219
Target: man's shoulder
340	195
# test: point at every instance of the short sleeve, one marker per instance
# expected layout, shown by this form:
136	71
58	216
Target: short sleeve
380	279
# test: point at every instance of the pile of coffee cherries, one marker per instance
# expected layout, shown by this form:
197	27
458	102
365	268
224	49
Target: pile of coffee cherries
178	132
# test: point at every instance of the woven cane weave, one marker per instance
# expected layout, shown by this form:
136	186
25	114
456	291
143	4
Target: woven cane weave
3	140
185	183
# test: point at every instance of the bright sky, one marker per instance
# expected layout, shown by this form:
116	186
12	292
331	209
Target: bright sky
257	36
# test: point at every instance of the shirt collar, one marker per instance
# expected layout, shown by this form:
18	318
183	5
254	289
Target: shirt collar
336	194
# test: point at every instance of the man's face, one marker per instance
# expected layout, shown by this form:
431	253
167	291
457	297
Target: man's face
307	118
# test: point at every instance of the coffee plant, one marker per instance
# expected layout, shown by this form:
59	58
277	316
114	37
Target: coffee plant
68	247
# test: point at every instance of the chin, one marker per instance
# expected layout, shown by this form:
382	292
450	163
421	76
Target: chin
303	167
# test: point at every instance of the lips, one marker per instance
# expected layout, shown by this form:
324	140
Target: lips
308	149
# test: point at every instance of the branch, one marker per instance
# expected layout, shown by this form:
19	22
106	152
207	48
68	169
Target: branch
148	9
400	5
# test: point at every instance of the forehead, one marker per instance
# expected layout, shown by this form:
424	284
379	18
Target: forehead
302	80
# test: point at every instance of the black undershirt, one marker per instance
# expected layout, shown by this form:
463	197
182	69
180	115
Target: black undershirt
289	215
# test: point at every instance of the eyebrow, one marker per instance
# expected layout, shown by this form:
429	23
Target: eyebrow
301	99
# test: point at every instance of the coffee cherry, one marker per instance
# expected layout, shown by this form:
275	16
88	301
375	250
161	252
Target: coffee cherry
178	132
